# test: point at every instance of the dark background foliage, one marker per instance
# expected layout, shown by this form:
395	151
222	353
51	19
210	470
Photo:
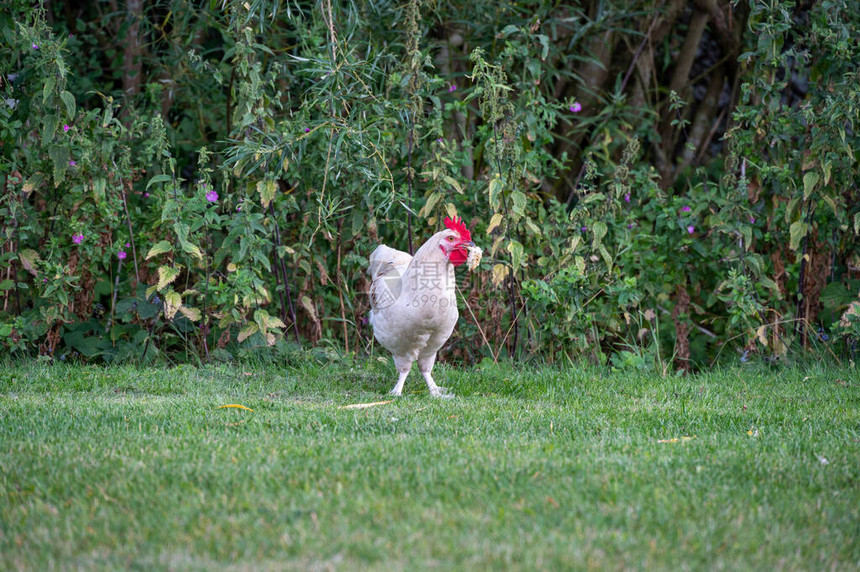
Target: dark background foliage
655	184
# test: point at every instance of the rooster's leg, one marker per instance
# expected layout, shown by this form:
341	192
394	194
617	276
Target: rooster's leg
425	364
398	387
403	366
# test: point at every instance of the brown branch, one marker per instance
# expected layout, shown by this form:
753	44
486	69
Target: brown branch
695	31
697	137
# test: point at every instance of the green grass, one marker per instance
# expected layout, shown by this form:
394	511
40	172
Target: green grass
526	469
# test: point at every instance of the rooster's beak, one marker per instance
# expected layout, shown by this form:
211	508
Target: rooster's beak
469	244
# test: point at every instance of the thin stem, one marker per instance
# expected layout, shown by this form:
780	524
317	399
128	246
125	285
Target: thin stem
130	230
802	277
512	298
410	135
283	269
113	298
205	325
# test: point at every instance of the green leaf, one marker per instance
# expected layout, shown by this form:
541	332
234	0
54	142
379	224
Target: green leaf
453	182
519	203
69	100
60	157
535	229
607	258
192	249
746	231
159	248
857	223
826	168
810	180
796	232
99	186
182	230
49	86
516	250
495	191
163	178
790	208
599	229
770	285
831	202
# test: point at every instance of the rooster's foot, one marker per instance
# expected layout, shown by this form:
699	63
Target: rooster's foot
441	393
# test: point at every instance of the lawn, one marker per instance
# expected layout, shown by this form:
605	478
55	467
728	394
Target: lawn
527	468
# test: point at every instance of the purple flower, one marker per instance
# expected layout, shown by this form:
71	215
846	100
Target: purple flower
45	280
630	226
127	244
35	46
439	140
146	195
752	220
583	229
66	127
121	254
238	207
691	229
77	238
307	129
575	108
73	163
685	209
452	88
627	198
211	196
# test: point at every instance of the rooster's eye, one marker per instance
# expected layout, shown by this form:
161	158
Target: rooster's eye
450	239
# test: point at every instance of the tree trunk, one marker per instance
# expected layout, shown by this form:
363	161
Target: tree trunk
132	75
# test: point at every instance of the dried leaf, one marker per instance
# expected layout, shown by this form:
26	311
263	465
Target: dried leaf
761	334
247	332
172	304
29	258
267	189
676	439
235	406
166	275
192	314
365	405
500	272
308	305
495	221
159	248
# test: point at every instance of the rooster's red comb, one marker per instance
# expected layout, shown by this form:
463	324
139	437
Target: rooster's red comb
457	225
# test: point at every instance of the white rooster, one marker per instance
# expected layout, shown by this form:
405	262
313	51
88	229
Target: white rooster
413	300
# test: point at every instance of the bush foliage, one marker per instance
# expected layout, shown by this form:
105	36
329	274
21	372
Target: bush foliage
656	185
